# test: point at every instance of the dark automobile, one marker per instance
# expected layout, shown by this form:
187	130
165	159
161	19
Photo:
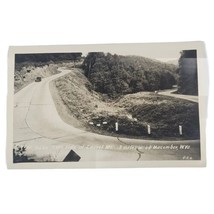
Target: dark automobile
38	79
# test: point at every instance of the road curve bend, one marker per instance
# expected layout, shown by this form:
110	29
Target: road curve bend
38	127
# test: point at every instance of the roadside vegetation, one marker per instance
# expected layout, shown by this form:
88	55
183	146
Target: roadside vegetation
19	155
103	89
30	66
27	73
188	77
134	112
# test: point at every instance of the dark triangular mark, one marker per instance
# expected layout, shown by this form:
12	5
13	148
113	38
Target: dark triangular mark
72	156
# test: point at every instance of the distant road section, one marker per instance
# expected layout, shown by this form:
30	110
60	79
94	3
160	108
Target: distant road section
38	127
180	96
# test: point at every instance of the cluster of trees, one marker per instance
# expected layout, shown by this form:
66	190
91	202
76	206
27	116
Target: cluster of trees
115	75
188	79
47	57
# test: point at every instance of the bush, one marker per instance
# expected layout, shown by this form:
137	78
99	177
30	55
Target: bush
20	156
165	118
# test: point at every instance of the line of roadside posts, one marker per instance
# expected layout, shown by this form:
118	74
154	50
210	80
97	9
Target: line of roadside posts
180	128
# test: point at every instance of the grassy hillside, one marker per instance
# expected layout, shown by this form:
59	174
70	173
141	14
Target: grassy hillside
133	112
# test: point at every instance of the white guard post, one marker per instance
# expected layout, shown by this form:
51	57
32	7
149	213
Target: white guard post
180	130
149	129
116	126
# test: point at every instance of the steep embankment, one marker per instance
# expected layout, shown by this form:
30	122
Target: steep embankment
97	112
29	66
26	73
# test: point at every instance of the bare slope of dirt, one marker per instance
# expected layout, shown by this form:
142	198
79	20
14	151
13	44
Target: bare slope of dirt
79	105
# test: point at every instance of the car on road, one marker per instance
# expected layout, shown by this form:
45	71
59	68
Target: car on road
38	79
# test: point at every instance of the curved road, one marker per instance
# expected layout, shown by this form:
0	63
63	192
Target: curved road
38	127
180	96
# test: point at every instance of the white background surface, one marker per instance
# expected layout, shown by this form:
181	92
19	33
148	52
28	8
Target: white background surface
164	190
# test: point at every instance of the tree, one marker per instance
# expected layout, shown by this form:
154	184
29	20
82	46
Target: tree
116	75
90	61
188	78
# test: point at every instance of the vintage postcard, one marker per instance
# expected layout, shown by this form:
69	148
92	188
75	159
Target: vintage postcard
108	105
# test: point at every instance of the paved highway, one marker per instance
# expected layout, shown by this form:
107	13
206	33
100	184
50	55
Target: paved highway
38	127
180	96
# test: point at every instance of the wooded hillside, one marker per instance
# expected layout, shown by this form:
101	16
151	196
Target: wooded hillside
115	75
188	78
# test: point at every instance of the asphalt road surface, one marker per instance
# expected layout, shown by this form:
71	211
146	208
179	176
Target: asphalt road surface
180	96
38	127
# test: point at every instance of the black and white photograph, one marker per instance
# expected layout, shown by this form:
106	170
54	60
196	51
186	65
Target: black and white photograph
106	107
128	105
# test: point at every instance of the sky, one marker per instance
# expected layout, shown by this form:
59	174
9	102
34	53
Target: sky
161	52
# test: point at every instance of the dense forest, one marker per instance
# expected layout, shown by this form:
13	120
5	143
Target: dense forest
115	75
188	79
47	57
